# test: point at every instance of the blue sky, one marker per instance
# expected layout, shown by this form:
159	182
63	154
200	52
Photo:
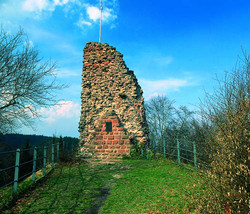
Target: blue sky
175	47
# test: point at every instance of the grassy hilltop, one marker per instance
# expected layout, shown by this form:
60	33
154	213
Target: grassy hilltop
127	186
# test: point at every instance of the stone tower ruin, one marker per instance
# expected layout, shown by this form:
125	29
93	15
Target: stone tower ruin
112	112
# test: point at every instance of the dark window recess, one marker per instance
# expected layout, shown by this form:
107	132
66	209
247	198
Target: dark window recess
123	96
108	126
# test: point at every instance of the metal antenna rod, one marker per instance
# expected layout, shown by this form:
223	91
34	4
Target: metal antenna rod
100	23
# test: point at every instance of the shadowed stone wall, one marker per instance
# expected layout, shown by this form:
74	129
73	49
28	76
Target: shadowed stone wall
112	111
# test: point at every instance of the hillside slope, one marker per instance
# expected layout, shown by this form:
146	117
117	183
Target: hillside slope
128	186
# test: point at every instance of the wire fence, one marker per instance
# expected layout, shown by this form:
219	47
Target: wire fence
181	151
19	164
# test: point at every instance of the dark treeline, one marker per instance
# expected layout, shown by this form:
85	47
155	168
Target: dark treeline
13	141
26	143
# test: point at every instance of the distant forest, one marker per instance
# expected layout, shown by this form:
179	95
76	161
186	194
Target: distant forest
10	142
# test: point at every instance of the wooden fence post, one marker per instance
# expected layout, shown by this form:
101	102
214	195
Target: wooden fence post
154	148
147	150
195	160
57	151
53	156
178	152
44	160
164	147
16	170
34	165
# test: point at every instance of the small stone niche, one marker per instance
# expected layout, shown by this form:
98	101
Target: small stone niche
108	127
112	110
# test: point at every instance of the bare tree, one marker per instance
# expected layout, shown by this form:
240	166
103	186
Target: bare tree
228	110
159	114
26	83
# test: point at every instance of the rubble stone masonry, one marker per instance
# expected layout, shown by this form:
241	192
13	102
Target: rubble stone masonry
112	112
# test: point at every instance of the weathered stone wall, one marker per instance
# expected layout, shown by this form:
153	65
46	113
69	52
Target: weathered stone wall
110	93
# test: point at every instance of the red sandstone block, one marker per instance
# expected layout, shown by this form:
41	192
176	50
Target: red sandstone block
121	151
99	147
111	146
114	142
105	147
107	150
110	133
99	137
114	129
123	147
117	137
127	150
105	137
117	146
115	125
109	142
102	150
110	137
115	133
121	142
119	129
115	121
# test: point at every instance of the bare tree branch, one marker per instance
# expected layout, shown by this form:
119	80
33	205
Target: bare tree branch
26	82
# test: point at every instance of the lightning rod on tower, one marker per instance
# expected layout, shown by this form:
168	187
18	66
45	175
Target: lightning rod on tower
100	23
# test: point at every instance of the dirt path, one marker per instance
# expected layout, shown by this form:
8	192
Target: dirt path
80	187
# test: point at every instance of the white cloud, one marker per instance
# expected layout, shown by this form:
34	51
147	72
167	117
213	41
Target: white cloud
81	22
166	60
154	95
63	109
85	23
166	85
67	73
60	2
40	5
94	13
153	88
34	5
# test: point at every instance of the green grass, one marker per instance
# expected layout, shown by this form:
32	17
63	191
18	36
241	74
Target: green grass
153	187
128	186
6	195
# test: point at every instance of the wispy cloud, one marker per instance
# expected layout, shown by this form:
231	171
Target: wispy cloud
165	60
94	13
34	5
166	85
63	109
82	13
40	5
153	88
62	73
154	95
